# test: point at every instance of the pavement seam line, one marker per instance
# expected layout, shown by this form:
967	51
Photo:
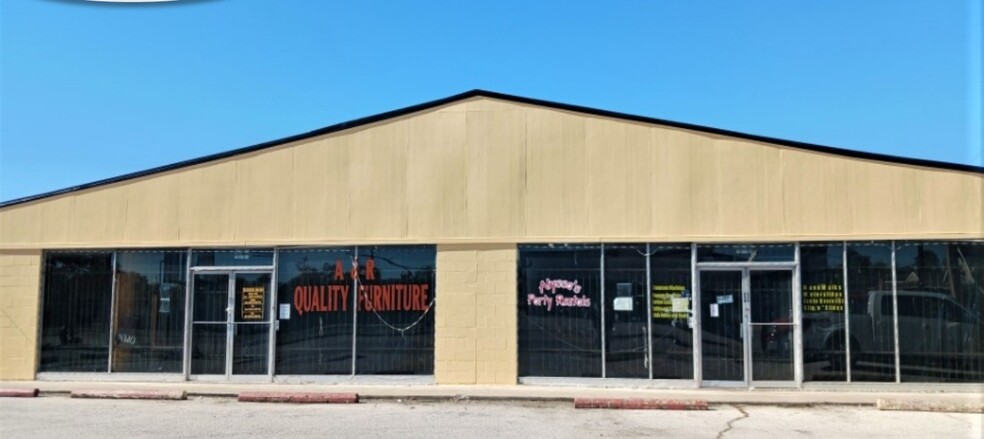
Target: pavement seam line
731	423
958	418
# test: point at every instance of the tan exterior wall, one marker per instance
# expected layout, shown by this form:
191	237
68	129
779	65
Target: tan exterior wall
19	293
485	171
477	177
476	332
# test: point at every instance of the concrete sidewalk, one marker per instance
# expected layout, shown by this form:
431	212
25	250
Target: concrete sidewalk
433	392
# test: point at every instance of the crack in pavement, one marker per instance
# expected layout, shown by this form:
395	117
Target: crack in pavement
731	423
959	419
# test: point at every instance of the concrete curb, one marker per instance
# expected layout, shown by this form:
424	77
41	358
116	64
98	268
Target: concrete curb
19	393
426	398
923	406
300	397
463	398
169	395
640	404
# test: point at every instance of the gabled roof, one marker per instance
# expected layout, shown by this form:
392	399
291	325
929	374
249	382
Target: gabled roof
511	98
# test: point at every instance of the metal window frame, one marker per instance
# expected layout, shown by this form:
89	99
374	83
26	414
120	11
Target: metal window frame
186	363
895	317
847	312
745	268
604	354
695	296
231	272
224	269
274	318
355	309
112	313
698	330
649	312
230	324
797	319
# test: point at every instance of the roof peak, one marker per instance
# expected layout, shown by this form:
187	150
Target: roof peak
478	92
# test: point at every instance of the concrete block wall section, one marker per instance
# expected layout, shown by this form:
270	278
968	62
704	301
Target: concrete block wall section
20	273
475	340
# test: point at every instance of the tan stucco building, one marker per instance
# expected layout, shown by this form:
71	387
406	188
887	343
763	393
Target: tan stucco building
479	184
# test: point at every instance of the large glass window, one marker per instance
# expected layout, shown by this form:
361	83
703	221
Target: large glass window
561	329
559	310
824	329
150	311
315	336
78	289
626	316
872	322
940	290
394	290
395	325
745	253
672	356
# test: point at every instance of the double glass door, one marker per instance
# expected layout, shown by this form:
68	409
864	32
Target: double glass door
747	327
231	324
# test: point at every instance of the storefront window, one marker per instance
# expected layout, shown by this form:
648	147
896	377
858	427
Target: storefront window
745	253
396	297
150	311
78	290
315	311
824	330
672	337
872	322
560	310
242	257
626	316
940	289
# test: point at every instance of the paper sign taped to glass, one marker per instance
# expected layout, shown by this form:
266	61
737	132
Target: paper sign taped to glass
623	304
284	311
680	304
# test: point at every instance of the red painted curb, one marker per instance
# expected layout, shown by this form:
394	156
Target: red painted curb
173	395
640	404
300	398
18	393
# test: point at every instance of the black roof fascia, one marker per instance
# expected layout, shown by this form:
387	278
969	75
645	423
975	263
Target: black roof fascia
506	97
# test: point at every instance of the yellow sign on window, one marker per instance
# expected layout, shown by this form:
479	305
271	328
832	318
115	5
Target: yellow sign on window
252	302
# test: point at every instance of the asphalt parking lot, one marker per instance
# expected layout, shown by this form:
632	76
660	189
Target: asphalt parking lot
59	416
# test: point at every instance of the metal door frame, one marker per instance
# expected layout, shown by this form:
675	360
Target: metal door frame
230	323
745	268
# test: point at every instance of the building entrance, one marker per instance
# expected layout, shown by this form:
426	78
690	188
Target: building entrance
747	327
231	325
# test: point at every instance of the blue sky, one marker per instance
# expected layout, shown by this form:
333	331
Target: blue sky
90	91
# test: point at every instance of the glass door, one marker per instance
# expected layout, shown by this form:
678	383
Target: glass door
230	329
722	329
771	325
250	324
210	321
747	327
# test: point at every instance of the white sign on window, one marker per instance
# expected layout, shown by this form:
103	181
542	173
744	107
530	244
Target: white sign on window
284	311
680	304
623	304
